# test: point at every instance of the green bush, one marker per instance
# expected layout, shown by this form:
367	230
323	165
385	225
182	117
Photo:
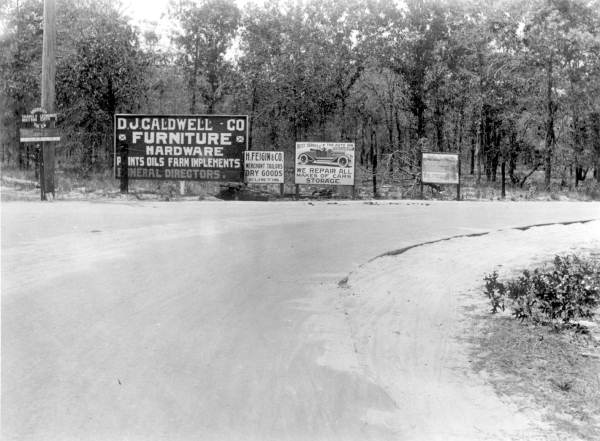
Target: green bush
496	291
557	294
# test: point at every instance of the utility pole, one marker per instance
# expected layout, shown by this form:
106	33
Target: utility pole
48	93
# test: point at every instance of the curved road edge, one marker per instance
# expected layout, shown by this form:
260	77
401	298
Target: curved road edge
409	321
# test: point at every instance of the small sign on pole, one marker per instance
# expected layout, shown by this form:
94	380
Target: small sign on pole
40	135
38	126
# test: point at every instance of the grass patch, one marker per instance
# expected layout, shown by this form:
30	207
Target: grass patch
546	353
529	362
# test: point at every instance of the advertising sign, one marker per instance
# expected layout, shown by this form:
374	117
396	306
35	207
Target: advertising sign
440	168
181	147
325	163
38	126
263	167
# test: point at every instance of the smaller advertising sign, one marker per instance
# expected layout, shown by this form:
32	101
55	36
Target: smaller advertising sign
440	168
263	167
38	126
324	163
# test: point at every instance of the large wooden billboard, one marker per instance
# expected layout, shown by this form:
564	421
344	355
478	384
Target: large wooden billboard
440	168
181	147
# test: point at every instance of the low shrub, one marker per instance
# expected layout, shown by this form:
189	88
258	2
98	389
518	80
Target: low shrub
496	291
556	294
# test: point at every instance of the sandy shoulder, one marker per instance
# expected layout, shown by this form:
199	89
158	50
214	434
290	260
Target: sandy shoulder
404	323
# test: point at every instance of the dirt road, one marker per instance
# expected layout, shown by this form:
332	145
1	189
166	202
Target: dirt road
224	321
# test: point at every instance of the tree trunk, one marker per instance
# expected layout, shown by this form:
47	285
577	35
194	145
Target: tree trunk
251	119
193	78
472	168
373	152
503	179
580	174
439	127
389	119
362	143
595	139
418	108
479	147
549	126
398	128
343	135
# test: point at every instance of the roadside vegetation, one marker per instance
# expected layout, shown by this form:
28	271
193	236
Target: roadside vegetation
23	184
512	86
541	347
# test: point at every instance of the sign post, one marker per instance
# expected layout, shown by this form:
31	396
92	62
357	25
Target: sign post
38	127
354	185
123	158
458	181
48	91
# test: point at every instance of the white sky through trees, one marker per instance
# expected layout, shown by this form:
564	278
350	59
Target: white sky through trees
152	15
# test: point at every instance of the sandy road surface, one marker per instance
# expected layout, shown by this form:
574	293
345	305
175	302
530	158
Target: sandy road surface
224	321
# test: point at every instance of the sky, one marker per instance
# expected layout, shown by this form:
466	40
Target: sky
151	10
151	15
145	10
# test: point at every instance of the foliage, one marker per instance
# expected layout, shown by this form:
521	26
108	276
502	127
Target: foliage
20	68
101	70
568	289
206	32
496	291
103	73
507	83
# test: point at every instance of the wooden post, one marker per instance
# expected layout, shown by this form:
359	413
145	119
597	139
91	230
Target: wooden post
421	175
48	94
124	154
282	189
182	188
458	185
503	179
42	179
354	175
297	191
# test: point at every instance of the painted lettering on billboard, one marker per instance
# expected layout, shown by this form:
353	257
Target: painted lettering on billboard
190	147
263	167
440	168
325	163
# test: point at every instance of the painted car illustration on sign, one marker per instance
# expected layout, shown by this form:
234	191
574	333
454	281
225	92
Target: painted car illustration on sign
324	156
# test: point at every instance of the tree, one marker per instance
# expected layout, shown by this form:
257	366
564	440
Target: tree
549	37
103	71
20	71
299	63
206	33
